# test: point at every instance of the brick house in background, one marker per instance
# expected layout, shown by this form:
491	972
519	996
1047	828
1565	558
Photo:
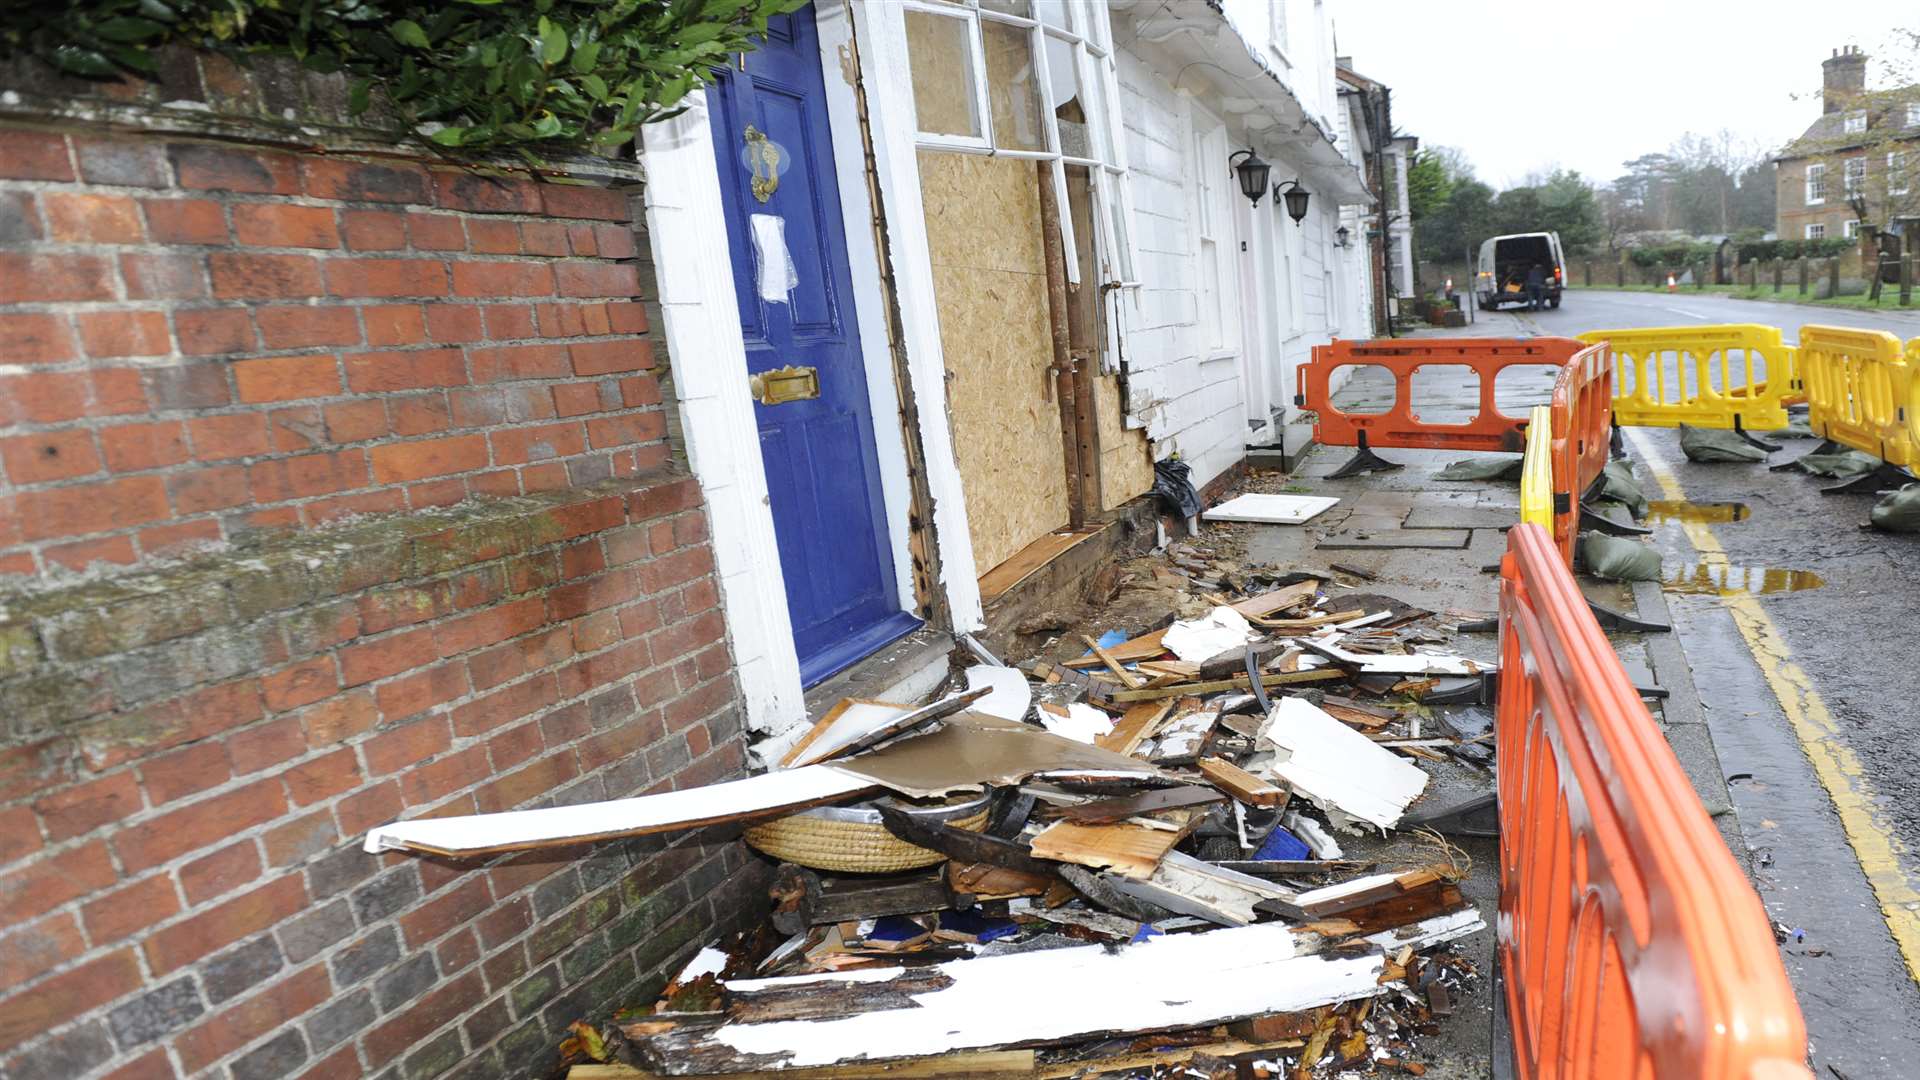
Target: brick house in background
1863	144
339	484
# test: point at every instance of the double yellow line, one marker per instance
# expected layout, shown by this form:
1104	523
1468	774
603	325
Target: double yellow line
1835	764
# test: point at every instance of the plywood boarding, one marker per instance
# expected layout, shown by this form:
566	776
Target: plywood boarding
1126	462
989	276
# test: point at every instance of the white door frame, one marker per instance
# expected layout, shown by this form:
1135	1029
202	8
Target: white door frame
686	228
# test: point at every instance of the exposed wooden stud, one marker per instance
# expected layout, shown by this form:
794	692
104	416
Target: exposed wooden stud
1127	678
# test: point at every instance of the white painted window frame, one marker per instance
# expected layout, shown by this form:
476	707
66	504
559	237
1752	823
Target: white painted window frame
1853	176
1851	228
1089	36
1854	123
1816	230
1816	184
1899	182
1913	114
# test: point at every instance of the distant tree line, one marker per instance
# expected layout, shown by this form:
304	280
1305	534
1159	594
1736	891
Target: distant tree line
1700	186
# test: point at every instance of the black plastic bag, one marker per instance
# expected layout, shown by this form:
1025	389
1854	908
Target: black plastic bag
1172	484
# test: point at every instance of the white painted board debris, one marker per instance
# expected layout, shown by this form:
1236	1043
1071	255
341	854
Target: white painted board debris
752	796
856	721
1418	663
1271	509
1337	768
1219	976
1202	639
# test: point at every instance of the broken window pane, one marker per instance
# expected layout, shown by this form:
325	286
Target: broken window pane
1011	88
1069	107
945	101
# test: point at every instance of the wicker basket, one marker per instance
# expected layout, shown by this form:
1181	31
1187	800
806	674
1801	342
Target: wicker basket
852	839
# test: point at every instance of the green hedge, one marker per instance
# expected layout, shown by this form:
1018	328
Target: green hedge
468	76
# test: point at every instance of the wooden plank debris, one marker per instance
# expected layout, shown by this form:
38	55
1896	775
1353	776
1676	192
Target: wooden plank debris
1284	678
1134	726
997	1064
1187	885
1148	646
1107	811
1240	783
1021	564
1127	678
1128	850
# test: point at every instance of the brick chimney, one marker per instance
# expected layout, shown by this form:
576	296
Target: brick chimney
1843	78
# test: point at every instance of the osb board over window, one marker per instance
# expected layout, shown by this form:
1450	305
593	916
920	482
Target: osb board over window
1126	462
990	288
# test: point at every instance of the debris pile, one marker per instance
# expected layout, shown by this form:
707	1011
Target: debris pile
1130	860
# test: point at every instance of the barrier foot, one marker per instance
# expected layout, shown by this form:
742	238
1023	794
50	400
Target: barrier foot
1478	816
1827	446
1883	478
1617	442
1748	437
1479	626
1601	523
1620	620
1364	460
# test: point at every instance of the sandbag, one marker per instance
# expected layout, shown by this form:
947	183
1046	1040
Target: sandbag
1717	445
1617	483
1899	511
1483	467
1840	466
1617	558
1615	512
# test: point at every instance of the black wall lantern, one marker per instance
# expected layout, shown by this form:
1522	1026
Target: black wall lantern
1341	236
1295	197
1252	173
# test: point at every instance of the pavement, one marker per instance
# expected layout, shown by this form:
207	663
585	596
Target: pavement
1791	694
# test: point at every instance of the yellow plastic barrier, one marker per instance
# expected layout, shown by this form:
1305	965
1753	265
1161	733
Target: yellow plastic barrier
1860	388
1739	375
1536	473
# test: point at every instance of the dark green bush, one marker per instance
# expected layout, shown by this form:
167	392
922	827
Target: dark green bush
472	76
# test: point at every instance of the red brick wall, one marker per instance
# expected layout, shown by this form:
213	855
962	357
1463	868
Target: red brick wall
200	339
303	362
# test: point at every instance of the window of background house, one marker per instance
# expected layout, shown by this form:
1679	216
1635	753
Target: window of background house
1816	232
1816	184
1028	79
1913	114
1899	181
1856	123
1850	230
1277	28
1856	175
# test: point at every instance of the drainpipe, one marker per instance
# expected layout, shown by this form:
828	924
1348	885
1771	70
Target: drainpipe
1383	131
1062	369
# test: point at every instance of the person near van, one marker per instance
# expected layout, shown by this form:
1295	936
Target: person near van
1536	287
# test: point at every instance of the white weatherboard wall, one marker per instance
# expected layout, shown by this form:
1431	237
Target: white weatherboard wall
1191	402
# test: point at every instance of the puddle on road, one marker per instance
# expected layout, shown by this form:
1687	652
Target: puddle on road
1706	513
1721	579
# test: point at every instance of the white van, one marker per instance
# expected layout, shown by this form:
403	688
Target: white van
1501	277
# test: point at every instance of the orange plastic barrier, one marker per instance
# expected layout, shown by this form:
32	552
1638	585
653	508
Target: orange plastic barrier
1631	942
1401	425
1582	413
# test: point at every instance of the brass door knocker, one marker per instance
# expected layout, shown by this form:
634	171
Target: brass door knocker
763	157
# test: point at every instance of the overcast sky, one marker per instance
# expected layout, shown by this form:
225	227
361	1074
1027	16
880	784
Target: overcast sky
1587	84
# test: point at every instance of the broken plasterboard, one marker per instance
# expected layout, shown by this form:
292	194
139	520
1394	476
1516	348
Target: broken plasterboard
1010	695
1336	767
1262	509
1165	982
1199	640
1079	722
974	750
847	721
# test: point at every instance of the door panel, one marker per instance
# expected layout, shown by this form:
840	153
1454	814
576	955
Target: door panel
823	477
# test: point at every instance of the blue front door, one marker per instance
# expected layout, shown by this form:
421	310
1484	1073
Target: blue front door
777	175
